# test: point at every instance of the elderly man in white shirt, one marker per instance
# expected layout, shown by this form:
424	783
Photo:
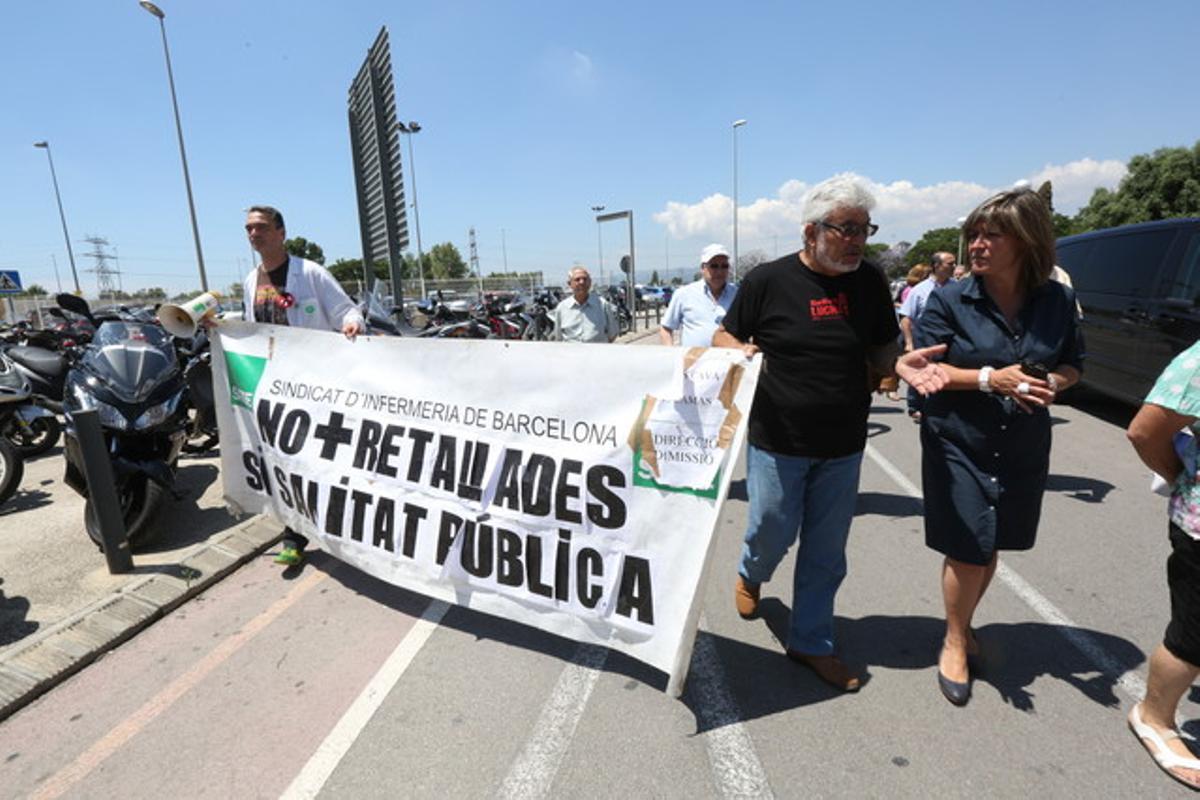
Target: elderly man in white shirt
698	308
583	317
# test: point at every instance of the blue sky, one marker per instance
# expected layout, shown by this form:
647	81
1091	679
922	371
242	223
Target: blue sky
533	112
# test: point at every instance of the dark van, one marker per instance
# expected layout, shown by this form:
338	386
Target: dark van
1139	288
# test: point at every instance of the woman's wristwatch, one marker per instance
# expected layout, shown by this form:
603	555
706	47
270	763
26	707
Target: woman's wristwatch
985	378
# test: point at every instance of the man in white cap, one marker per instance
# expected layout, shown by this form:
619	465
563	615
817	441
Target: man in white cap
698	308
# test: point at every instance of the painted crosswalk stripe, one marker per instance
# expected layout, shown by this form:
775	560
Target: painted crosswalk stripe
329	753
533	771
736	769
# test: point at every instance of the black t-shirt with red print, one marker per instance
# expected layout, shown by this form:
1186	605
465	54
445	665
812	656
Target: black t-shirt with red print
814	331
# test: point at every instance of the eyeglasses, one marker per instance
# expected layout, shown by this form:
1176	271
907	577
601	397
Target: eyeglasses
716	266
852	231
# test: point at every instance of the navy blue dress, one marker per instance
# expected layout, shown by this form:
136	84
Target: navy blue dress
984	461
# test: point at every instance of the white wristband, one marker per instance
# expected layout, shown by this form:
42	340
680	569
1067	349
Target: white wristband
985	376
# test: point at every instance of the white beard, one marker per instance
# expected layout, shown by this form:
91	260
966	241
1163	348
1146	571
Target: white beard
822	258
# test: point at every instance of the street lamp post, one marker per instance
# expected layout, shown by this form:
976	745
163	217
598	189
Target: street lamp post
599	246
409	130
53	177
630	278
737	124
187	180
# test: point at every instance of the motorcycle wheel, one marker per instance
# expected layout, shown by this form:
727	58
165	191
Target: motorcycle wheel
140	500
41	435
12	467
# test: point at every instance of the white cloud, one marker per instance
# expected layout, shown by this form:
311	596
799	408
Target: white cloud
1075	182
904	210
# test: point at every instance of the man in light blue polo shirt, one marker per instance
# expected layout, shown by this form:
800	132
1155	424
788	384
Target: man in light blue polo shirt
914	306
698	308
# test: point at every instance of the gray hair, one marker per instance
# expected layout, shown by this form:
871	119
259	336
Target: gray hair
840	191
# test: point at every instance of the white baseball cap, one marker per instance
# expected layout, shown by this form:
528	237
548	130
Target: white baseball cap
711	252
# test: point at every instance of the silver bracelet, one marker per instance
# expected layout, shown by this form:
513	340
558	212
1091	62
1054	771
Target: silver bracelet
985	377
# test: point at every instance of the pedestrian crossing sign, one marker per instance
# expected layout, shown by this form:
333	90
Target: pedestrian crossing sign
10	282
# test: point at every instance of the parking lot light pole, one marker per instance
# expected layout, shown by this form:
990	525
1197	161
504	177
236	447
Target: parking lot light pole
187	179
409	130
71	255
599	246
629	279
737	124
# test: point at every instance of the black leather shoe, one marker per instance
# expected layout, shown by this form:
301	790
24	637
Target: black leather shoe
957	693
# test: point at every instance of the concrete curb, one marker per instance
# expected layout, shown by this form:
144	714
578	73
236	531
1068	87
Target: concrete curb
55	654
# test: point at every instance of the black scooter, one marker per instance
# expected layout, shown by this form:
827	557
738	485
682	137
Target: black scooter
130	375
14	393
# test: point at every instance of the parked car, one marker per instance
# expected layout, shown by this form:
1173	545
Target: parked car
1139	290
647	296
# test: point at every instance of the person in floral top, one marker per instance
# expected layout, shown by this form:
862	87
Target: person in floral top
1162	435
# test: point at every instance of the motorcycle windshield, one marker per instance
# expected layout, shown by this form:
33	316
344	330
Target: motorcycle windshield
132	358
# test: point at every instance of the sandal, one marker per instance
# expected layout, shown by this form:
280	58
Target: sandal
1156	745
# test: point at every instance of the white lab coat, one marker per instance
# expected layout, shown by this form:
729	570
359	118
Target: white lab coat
320	302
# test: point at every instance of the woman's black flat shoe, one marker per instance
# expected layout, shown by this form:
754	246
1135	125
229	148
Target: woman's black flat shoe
957	693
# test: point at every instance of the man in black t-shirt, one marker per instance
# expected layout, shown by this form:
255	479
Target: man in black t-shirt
824	321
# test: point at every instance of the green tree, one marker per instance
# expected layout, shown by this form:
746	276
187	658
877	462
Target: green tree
654	278
874	249
444	261
34	290
409	268
303	248
938	240
350	269
1161	185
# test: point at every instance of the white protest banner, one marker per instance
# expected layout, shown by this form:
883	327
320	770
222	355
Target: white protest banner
574	488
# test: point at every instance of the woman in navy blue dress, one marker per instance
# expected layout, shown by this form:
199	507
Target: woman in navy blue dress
1014	344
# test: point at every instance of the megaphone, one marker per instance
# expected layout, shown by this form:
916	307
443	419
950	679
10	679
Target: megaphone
182	320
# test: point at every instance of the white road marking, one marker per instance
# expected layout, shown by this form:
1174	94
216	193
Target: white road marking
736	770
533	771
1129	681
324	761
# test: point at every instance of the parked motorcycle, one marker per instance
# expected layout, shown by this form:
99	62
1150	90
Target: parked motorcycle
34	429
195	356
616	296
14	392
130	375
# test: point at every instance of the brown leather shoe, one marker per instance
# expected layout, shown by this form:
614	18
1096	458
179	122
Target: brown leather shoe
745	597
829	669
